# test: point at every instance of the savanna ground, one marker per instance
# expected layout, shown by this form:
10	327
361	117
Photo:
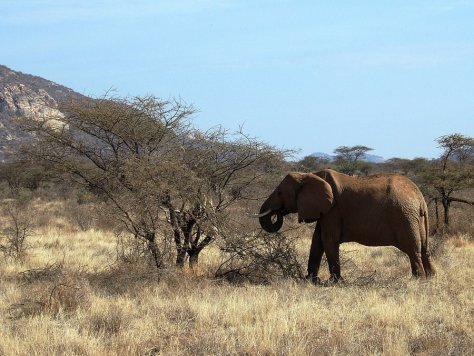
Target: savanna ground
71	296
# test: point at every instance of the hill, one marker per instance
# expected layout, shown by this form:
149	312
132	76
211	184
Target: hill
11	78
26	95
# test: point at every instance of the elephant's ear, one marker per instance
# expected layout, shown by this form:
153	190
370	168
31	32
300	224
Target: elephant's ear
313	198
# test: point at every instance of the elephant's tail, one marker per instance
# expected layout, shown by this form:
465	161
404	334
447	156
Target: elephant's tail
424	232
425	247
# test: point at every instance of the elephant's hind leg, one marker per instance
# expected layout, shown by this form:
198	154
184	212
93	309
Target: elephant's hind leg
416	264
427	264
425	249
410	243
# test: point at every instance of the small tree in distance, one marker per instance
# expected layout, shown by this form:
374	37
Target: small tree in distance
348	159
453	172
313	164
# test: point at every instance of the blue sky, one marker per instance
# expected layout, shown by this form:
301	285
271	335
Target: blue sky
310	75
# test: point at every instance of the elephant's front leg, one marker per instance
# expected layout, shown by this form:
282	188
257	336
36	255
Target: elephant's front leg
315	254
331	247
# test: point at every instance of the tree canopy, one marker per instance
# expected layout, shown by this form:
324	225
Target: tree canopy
349	158
151	168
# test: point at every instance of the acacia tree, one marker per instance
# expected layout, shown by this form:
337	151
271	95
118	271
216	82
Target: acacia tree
152	170
453	172
229	167
348	158
124	150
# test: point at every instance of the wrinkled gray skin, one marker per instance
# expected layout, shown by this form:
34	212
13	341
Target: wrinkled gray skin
378	210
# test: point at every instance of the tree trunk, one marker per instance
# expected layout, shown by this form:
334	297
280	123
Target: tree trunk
180	247
180	256
197	246
181	232
182	244
436	213
446	204
155	251
194	258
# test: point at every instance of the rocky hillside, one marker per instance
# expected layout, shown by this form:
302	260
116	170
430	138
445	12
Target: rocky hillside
24	95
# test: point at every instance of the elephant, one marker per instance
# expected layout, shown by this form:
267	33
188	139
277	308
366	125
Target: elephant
377	210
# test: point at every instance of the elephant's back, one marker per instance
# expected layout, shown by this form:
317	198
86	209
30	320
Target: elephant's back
374	207
388	185
406	193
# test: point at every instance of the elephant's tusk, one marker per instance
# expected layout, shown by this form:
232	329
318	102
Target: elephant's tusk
261	215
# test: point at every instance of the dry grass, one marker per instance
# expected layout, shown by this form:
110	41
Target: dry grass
69	298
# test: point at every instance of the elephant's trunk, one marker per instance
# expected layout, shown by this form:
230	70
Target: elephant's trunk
271	222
